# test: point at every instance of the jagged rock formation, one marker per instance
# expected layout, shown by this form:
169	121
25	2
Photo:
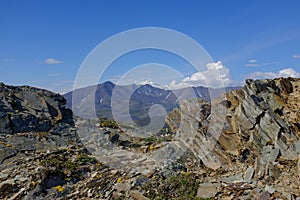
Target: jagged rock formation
248	143
33	124
26	109
260	142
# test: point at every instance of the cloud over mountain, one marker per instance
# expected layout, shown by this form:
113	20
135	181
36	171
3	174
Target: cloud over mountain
288	72
216	76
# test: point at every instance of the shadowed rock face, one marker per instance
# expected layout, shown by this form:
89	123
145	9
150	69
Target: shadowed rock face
26	109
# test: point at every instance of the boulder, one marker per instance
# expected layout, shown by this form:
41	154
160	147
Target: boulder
27	109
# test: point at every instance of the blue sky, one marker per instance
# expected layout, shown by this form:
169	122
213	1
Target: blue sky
43	43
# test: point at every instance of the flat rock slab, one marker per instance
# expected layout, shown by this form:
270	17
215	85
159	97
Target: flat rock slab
233	178
136	195
249	174
208	190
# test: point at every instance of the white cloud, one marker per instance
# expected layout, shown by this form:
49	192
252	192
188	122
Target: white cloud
145	82
216	76
262	75
52	61
149	82
288	72
296	56
252	63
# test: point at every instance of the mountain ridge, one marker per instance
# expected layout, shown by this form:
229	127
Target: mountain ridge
143	97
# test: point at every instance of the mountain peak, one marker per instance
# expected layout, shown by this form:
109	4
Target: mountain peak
108	83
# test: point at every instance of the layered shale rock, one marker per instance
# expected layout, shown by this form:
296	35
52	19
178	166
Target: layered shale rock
258	148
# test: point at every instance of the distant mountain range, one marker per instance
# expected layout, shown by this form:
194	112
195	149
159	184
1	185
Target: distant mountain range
140	99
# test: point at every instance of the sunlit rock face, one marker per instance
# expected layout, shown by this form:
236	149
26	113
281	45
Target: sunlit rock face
264	113
257	150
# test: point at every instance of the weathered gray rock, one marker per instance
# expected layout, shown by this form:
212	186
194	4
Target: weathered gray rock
260	138
264	195
297	146
6	185
207	190
136	195
233	178
6	153
26	109
262	113
270	189
249	174
274	153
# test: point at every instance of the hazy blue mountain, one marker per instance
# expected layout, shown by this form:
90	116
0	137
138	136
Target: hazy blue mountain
140	97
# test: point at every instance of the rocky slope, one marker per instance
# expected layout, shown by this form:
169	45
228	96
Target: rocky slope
245	145
257	152
34	125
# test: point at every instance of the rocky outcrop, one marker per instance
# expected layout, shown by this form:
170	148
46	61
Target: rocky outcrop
245	145
258	147
35	128
26	109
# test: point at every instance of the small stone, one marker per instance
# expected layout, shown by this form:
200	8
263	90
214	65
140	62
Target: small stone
238	186
274	153
297	146
270	189
271	170
139	181
288	196
89	193
264	195
267	149
234	178
114	172
207	190
107	193
260	168
249	174
136	195
122	187
147	172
